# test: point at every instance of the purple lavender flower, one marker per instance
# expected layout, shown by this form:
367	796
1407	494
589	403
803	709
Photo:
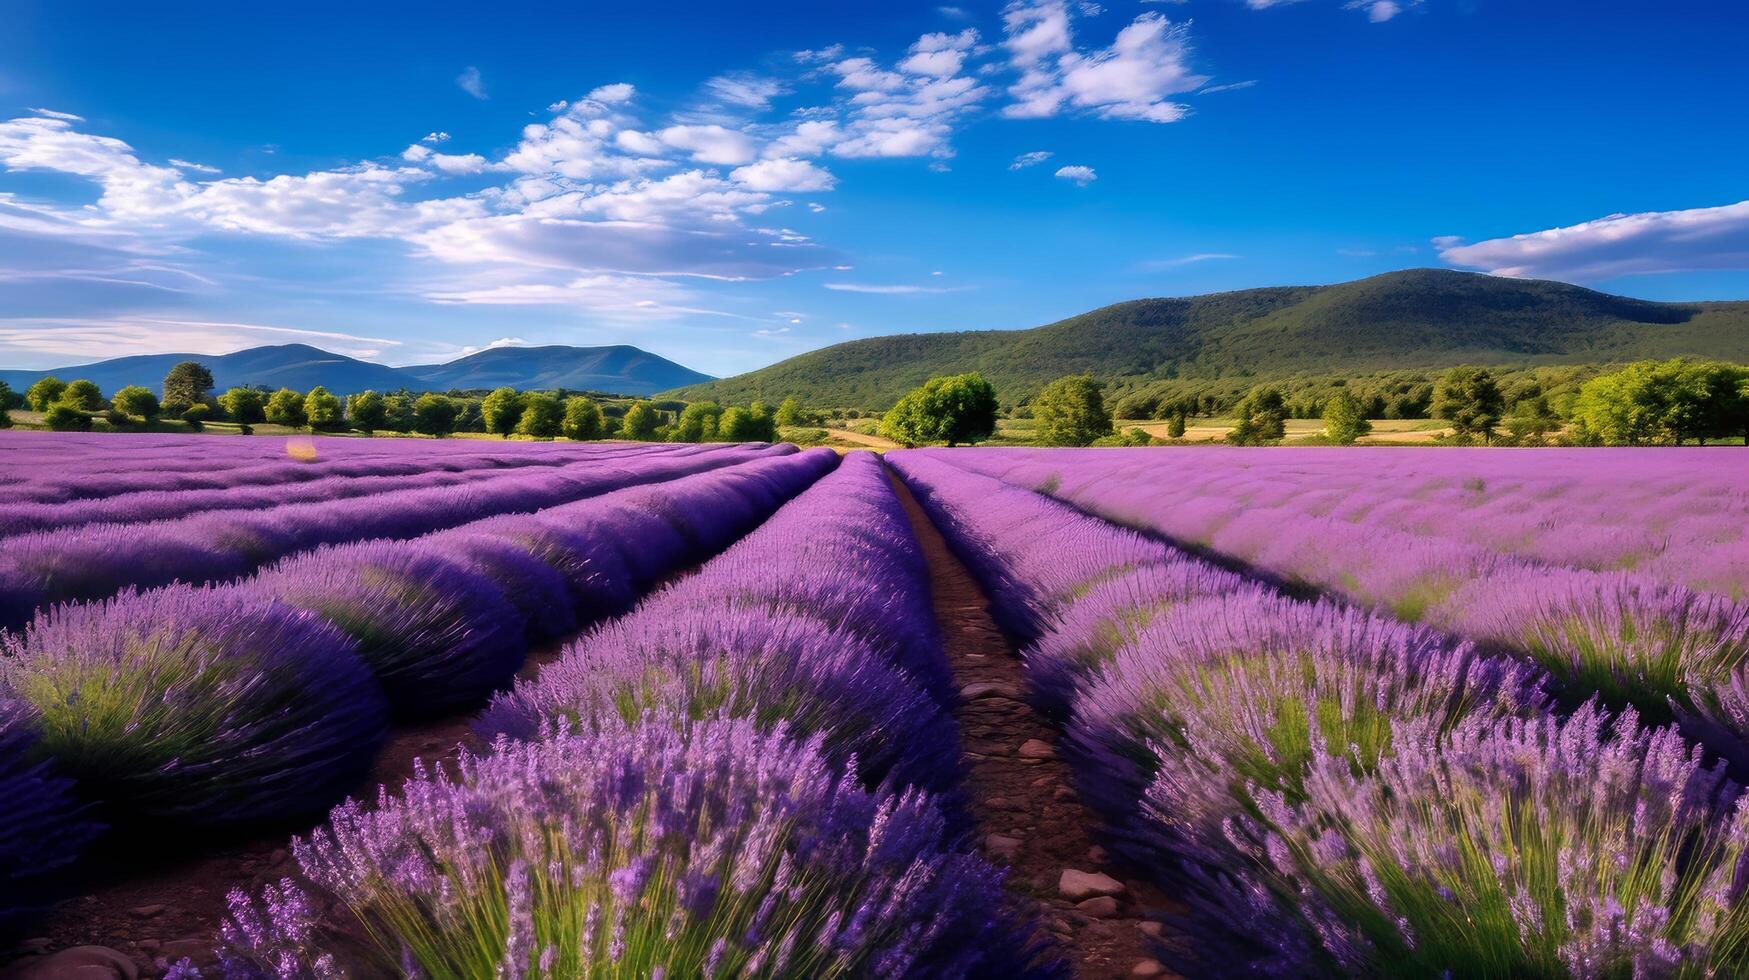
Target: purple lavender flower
42	825
205	706
433	870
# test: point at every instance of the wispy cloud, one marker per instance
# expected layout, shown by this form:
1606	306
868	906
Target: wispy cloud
1184	260
895	289
1025	160
54	114
470	82
1616	245
1227	87
52	342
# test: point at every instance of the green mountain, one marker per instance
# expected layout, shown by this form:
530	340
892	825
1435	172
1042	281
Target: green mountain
1418	318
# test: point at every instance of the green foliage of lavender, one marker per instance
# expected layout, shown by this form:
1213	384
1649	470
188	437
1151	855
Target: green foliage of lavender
635	853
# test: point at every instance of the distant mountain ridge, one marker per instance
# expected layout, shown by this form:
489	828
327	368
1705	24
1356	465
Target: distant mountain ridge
618	369
1417	318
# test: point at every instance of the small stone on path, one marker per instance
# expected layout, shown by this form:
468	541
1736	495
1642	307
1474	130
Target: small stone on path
1033	748
78	963
1002	846
146	911
1103	907
1077	885
986	689
1147	968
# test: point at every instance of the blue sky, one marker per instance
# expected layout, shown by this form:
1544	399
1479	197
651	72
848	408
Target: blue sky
732	184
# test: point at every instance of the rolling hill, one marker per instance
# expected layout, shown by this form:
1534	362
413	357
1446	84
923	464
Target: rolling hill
1418	318
618	370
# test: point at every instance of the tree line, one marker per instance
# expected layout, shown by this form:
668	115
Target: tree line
1671	402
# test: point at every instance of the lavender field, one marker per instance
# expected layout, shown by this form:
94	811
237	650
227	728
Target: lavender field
387	707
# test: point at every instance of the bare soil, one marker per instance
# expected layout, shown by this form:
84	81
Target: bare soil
1026	809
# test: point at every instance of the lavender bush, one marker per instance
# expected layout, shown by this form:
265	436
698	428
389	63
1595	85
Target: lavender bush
639	852
203	706
42	826
1228	698
437	635
1507	848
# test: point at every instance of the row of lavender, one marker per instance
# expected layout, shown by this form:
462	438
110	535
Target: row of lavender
751	774
1335	791
1673	653
117	497
267	697
92	561
1670	515
58	467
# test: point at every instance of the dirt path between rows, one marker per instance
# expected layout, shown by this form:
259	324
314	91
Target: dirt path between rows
873	442
1020	794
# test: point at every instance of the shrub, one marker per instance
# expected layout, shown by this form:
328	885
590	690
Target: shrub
542	416
500	411
245	406
582	419
42	826
638	853
1071	412
136	402
66	418
83	395
322	409
434	415
540	593
44	392
743	662
1522	847
196	415
1228	701
285	407
436	635
203	706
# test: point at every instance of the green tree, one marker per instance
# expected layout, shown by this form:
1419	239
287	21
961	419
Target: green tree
1532	419
1071	412
951	409
63	417
398	413
582	419
136	403
1175	425
542	416
6	418
698	422
322	410
1469	398
746	425
9	399
434	415
245	406
366	411
1345	418
186	384
501	410
83	395
789	412
640	422
196	415
285	407
44	393
1262	416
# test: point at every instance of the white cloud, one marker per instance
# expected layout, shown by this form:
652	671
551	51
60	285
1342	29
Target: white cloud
196	167
616	94
1379	11
470	82
784	174
897	289
939	55
1617	245
53	114
439	136
1227	87
1183	260
745	89
1082	176
559	106
1025	160
1132	79
711	144
52	342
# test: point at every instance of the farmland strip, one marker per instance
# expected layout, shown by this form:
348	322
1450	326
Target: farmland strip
94	561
